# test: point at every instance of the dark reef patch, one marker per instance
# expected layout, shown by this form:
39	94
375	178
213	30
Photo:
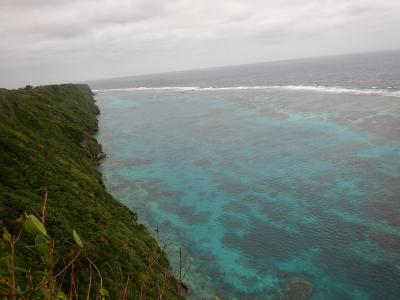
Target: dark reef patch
388	242
297	289
264	243
202	163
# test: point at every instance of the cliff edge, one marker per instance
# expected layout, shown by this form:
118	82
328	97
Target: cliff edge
46	142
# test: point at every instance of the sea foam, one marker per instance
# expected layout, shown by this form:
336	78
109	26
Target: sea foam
322	89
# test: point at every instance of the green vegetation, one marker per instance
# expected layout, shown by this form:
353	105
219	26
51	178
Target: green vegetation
47	147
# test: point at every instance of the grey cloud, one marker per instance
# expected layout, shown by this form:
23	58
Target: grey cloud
130	12
105	38
29	3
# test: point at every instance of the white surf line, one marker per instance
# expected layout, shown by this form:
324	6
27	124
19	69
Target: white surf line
324	89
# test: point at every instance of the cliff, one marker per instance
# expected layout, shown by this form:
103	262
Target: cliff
46	142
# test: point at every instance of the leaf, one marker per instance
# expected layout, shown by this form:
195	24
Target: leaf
103	292
217	298
77	239
21	269
6	235
46	294
5	263
33	225
42	245
61	296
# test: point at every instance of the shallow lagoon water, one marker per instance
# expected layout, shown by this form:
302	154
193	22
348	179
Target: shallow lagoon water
268	191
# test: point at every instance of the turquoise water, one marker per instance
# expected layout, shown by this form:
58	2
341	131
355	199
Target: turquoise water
269	192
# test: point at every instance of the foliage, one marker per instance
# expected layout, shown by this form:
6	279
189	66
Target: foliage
39	280
46	141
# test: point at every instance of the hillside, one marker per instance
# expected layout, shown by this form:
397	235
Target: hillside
46	142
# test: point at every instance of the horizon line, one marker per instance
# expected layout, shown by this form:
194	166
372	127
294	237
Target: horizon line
240	64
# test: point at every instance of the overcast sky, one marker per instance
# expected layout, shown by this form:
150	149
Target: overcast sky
50	41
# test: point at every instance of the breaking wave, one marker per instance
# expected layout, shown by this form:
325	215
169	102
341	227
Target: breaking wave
322	89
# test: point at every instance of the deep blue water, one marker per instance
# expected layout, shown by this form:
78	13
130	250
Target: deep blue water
269	191
367	70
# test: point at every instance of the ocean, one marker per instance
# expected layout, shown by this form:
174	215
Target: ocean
277	180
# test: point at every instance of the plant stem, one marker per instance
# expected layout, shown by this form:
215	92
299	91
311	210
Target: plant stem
90	282
63	270
12	262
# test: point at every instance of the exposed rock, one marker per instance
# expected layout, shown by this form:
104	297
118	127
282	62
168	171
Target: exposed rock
184	289
100	155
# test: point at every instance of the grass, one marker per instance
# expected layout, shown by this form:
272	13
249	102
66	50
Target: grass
46	143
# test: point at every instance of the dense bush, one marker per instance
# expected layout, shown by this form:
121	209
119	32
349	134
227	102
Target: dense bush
46	143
